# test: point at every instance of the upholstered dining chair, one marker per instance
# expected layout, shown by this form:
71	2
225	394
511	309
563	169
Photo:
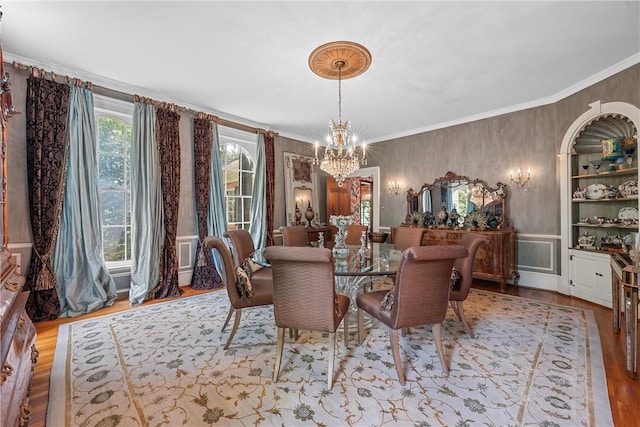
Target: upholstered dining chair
464	268
354	232
407	237
294	235
420	297
260	280
304	297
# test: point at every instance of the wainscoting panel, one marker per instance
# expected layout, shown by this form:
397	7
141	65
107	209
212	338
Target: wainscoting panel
186	248
538	253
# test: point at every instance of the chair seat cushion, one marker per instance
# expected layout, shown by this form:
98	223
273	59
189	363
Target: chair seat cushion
262	287
371	302
342	305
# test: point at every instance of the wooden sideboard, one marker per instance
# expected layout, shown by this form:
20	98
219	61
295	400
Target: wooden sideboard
494	261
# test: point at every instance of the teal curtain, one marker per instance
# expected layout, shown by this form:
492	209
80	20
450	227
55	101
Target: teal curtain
83	281
147	217
217	219
258	198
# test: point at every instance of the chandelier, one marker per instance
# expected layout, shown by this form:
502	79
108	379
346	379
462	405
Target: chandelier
340	60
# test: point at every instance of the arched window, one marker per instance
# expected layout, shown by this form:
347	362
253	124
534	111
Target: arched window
237	151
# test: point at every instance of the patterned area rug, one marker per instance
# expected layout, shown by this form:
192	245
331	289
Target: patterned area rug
531	363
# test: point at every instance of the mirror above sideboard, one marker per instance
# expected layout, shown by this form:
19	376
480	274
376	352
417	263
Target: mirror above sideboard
459	202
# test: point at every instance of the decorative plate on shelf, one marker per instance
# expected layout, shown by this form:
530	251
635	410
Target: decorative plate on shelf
596	191
629	188
628	213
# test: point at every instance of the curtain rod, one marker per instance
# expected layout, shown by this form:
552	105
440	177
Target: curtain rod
40	72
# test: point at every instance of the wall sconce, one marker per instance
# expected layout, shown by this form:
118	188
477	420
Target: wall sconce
520	179
393	188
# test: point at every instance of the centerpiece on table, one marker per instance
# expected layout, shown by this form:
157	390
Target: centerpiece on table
340	249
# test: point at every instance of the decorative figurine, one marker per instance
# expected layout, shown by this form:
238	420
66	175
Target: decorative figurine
309	215
298	215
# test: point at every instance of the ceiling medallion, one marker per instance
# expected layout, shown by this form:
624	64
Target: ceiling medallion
326	60
338	61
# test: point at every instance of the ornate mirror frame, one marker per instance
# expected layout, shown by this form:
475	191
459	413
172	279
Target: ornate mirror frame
491	201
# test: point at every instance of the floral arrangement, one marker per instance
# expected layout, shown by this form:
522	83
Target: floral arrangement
476	219
415	218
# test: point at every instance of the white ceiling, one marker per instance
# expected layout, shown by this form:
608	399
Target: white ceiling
434	63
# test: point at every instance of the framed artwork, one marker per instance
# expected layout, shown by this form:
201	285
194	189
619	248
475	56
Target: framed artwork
300	190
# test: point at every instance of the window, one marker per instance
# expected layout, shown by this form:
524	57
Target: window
113	127
237	150
459	200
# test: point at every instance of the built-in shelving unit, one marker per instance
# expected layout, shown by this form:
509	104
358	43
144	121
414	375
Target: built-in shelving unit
600	205
601	217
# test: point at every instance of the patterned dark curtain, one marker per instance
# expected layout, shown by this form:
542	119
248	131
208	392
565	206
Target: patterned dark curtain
205	275
47	150
168	138
270	166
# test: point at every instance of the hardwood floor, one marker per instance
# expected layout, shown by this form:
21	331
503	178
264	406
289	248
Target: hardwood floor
624	393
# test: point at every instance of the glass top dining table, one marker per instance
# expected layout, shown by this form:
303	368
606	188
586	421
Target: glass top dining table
379	259
361	265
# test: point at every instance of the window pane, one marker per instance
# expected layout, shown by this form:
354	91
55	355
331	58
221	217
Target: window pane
128	243
232	182
113	244
112	206
230	155
112	135
247	209
247	164
127	207
111	171
234	211
247	183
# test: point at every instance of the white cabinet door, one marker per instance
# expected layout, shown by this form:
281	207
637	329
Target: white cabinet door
590	276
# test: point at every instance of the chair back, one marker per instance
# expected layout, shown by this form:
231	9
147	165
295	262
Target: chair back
464	266
241	245
294	235
421	292
304	295
407	237
230	276
353	233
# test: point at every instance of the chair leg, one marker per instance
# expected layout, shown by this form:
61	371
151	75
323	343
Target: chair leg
360	325
437	333
236	322
279	348
345	320
226	322
332	356
395	349
458	308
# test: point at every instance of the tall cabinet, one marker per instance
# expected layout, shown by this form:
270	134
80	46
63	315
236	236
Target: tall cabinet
18	354
602	200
